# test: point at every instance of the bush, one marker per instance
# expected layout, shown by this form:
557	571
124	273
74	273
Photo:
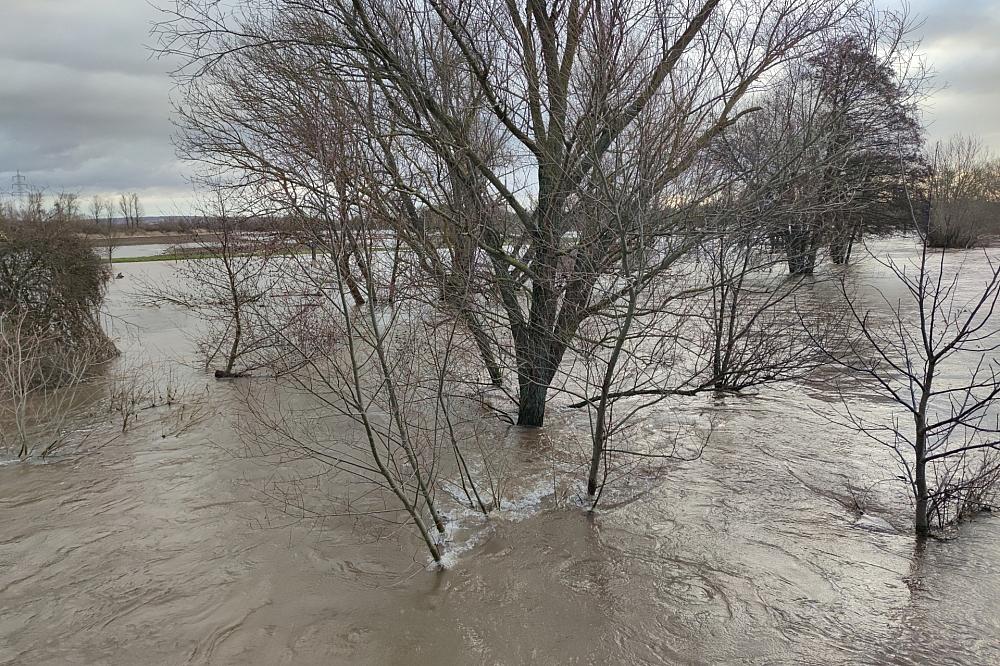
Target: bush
954	233
964	194
54	278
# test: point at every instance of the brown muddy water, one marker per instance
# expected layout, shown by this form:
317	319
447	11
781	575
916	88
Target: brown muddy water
160	548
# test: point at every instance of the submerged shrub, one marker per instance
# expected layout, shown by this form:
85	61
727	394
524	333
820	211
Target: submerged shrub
52	287
56	279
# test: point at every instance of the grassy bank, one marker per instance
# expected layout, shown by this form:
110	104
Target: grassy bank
182	256
163	257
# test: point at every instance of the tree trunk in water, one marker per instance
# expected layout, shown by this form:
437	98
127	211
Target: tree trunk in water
840	247
531	403
921	521
362	262
719	324
344	264
485	350
807	263
838	251
395	271
801	265
800	249
536	343
850	248
538	357
599	444
595	466
234	350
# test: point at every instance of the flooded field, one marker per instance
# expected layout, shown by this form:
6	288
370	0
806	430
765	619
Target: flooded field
146	249
160	547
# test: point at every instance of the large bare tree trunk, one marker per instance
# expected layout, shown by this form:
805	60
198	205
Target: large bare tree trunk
921	522
539	351
460	105
537	367
531	402
800	245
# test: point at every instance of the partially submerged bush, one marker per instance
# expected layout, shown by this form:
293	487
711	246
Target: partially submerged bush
961	225
964	194
52	286
56	278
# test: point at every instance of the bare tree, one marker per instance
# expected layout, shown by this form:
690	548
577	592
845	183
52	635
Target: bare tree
386	369
130	209
932	353
484	124
66	207
110	233
226	286
751	336
721	319
125	209
96	210
34	207
102	213
630	356
870	82
830	153
137	211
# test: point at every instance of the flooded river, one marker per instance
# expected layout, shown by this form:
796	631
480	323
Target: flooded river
159	547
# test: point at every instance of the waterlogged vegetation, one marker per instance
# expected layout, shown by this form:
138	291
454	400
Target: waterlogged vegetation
242	535
641	333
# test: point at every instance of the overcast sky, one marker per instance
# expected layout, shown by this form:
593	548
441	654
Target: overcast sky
84	108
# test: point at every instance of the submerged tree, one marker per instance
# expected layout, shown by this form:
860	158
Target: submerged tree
226	284
38	375
386	370
932	353
750	336
483	125
850	115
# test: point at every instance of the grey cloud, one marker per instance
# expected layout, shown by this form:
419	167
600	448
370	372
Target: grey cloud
977	20
86	35
962	41
84	107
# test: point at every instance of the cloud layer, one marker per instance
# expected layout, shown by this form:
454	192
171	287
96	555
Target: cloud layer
84	107
961	39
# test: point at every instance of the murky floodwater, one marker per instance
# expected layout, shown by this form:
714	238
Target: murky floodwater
159	548
144	250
